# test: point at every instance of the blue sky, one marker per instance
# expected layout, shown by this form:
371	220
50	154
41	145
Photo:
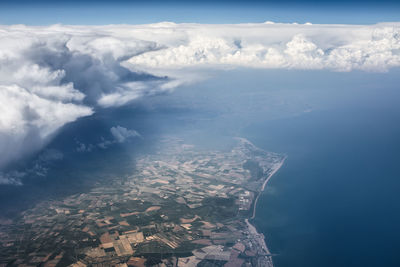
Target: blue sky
44	12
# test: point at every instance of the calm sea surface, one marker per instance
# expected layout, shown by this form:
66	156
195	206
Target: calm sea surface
336	201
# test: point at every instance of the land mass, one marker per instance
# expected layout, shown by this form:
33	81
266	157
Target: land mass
182	206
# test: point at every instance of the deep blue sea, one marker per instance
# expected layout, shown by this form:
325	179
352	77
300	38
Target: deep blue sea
336	200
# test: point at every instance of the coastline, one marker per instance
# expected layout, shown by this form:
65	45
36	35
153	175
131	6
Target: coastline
252	228
265	184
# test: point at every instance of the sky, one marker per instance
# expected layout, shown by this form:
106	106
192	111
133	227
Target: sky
45	12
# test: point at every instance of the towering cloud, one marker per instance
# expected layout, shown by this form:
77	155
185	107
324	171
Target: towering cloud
289	46
50	76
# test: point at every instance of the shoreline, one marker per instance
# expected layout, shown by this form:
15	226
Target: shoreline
264	185
252	227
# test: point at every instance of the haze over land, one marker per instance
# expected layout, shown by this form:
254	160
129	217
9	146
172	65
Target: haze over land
53	75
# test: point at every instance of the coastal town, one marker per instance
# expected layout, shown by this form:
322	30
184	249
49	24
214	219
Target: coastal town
183	206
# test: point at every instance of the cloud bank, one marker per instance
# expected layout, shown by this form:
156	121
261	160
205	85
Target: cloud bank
279	46
53	75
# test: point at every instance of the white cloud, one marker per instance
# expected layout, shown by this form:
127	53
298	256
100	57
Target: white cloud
40	167
307	46
53	75
50	76
82	148
121	134
12	178
27	120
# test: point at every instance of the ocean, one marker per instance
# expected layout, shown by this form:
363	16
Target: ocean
336	200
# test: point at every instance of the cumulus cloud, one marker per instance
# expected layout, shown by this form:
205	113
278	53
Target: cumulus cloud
82	147
38	168
27	120
41	164
11	178
121	134
276	45
50	76
53	75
